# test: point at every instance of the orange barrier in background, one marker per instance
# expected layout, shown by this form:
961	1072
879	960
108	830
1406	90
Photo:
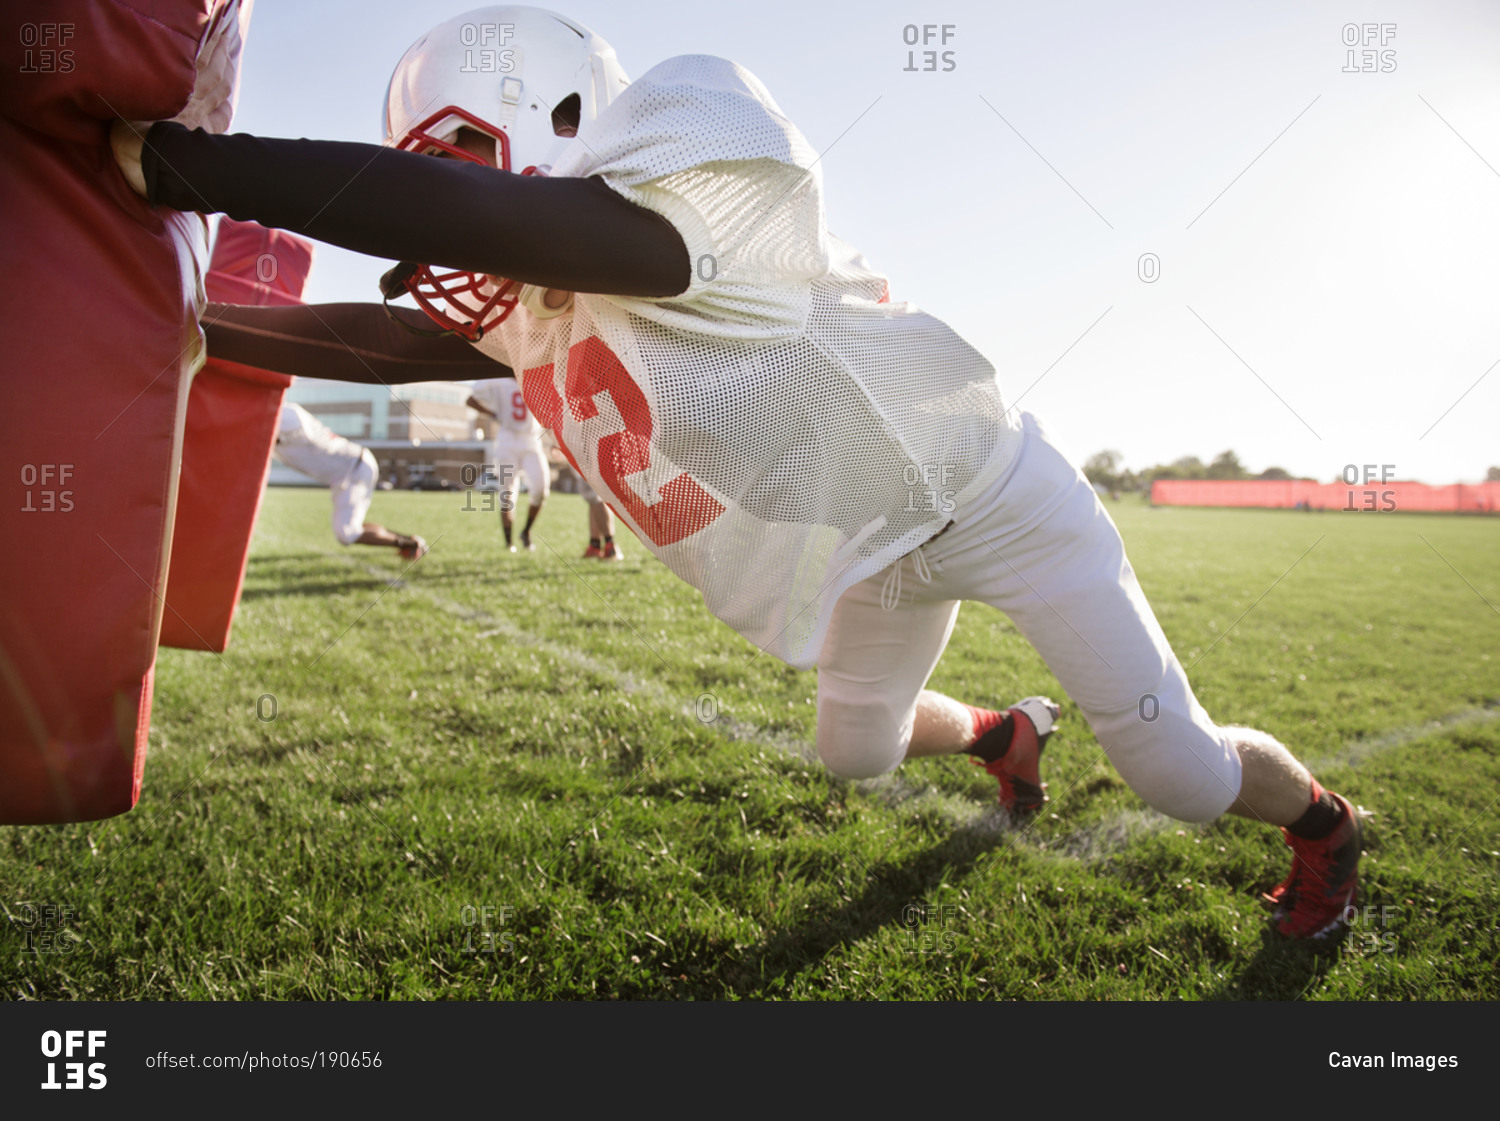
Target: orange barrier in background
1289	494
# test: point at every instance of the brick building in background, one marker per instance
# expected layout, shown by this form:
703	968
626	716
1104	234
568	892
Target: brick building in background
422	434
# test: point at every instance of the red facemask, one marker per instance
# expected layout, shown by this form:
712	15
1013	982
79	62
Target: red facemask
464	303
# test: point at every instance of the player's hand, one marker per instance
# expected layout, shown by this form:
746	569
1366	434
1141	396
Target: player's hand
127	139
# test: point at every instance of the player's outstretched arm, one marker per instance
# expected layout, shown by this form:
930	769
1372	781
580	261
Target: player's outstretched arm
479	406
342	342
576	235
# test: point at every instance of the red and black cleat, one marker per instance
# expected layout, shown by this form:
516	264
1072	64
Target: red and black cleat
1323	882
1022	790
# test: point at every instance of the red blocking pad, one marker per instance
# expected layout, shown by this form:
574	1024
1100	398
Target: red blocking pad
226	453
99	312
254	265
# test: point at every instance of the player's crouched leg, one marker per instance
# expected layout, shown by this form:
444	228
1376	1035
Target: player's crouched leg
1171	754
860	737
352	497
874	666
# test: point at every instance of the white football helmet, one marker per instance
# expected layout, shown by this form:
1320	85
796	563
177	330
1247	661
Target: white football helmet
527	78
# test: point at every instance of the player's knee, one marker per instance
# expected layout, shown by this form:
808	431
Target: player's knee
1199	787
859	741
1180	766
1190	806
856	761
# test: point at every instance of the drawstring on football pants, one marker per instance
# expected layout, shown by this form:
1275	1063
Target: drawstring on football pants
890	591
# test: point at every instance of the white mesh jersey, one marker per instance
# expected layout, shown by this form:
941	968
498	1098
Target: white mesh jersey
503	397
779	431
306	444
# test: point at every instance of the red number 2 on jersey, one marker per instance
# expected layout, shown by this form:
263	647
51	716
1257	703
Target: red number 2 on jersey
685	507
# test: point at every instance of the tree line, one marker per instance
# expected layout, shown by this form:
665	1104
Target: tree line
1107	469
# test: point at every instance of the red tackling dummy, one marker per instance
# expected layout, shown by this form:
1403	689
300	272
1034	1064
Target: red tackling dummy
226	451
99	306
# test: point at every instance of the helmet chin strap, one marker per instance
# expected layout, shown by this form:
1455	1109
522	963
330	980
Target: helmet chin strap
422	331
393	285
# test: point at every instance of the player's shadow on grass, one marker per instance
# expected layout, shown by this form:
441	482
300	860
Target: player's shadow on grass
270	577
319	588
883	906
1280	970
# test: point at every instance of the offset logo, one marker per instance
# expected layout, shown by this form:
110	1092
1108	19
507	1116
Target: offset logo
1369	495
1368	35
47	488
65	1045
47	928
926	35
50	58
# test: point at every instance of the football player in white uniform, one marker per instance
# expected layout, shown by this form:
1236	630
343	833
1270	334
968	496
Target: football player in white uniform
349	471
834	471
516	449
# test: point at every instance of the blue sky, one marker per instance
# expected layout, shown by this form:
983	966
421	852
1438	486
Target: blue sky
1325	238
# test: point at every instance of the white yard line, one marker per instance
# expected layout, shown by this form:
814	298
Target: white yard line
1112	834
1356	752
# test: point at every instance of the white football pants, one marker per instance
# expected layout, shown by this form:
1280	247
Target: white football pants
1040	547
351	498
513	459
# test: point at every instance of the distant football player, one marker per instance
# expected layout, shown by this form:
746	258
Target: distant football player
833	470
349	471
515	450
602	545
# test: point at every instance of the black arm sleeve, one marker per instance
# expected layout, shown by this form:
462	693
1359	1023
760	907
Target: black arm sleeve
573	234
341	342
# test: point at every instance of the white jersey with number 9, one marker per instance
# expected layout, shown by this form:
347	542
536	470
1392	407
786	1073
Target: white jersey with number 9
503	397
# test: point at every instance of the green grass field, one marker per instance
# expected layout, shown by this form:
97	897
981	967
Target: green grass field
534	777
